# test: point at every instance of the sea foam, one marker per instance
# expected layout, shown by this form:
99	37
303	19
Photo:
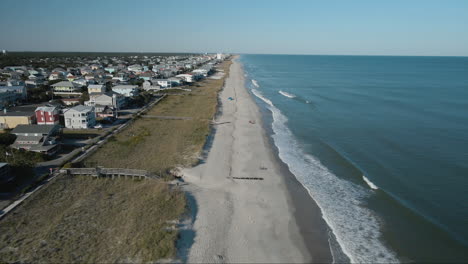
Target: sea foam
371	184
356	228
287	94
255	83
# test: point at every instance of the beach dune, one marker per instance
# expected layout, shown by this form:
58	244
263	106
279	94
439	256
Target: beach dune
246	220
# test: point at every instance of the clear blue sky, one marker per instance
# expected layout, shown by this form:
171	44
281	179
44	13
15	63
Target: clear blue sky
393	27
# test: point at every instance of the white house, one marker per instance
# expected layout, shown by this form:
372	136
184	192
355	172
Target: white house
203	72
111	99
126	90
161	82
148	86
135	68
66	88
96	88
80	116
186	77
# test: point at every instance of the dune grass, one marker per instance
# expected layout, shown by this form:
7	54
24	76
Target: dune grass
86	220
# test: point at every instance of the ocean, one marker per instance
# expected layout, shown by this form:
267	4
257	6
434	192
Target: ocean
380	143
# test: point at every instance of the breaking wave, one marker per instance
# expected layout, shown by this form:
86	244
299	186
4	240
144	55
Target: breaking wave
356	228
255	83
287	94
371	184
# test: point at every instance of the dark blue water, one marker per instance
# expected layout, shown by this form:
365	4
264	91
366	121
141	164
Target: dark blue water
381	143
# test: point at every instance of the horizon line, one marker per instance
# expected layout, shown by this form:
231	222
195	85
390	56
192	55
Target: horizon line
238	53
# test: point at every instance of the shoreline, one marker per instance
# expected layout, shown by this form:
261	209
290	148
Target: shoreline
307	213
234	220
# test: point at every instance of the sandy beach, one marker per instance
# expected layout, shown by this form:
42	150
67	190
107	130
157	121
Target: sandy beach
271	219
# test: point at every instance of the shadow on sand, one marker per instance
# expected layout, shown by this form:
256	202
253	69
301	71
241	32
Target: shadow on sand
186	232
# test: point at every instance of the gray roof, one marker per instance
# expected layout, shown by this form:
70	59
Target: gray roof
29	138
125	87
64	84
17	113
95	86
82	108
33	129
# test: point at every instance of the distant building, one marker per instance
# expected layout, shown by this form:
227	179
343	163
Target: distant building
175	81
12	94
71	101
161	82
112	99
148	86
47	115
186	77
67	89
80	116
96	88
4	52
135	68
126	90
109	69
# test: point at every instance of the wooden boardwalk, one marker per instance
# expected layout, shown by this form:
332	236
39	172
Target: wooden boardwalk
110	173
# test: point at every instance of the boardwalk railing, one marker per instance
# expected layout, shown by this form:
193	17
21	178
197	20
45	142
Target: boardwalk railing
110	172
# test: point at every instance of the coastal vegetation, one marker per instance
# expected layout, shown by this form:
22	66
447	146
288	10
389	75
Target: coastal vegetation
86	220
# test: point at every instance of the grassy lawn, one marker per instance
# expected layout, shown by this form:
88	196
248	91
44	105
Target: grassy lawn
158	145
82	133
86	220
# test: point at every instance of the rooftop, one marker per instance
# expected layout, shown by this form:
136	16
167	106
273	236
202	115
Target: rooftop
17	113
82	108
64	84
38	129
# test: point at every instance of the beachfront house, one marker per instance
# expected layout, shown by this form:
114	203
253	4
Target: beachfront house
80	117
164	83
202	72
112	99
36	138
186	77
126	90
148	86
